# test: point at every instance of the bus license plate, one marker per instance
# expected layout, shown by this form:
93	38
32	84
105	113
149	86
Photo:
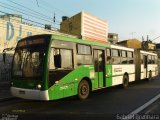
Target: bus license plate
21	92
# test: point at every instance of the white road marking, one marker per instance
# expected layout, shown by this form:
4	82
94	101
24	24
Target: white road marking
131	115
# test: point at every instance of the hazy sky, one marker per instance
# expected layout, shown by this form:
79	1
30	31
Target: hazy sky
128	18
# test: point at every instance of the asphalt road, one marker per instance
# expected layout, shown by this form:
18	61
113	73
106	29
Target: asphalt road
108	103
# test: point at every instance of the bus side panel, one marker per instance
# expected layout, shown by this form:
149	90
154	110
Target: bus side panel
118	72
152	67
108	75
68	85
96	80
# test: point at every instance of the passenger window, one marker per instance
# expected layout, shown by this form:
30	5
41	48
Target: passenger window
61	58
83	49
116	59
124	59
141	58
109	57
84	55
149	59
130	57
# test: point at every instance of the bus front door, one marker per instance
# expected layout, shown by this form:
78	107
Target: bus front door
145	66
99	67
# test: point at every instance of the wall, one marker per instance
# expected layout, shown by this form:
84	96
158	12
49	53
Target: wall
72	25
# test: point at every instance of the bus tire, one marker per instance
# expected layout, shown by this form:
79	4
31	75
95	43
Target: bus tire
83	90
125	81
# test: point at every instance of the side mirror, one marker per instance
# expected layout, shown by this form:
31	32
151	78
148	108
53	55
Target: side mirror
4	57
57	61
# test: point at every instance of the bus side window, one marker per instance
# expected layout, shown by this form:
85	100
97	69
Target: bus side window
57	61
84	54
109	58
51	59
124	57
116	59
153	59
149	59
130	57
62	58
156	62
141	58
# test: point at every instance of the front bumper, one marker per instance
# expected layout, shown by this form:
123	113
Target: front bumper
30	94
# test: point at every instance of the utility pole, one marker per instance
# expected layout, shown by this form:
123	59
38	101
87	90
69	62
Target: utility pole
54	20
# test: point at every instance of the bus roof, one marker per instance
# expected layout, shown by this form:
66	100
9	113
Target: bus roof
122	47
77	40
146	52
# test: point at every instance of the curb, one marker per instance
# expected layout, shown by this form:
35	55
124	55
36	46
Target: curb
7	99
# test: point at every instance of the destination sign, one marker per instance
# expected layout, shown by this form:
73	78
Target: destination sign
31	42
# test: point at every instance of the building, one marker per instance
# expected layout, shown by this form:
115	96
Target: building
131	43
85	26
11	18
148	45
113	38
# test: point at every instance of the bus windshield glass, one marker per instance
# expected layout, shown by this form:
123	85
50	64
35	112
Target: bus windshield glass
28	60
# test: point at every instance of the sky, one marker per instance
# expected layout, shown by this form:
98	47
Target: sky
128	18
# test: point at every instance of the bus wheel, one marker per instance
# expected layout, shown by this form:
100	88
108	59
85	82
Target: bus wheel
83	90
125	81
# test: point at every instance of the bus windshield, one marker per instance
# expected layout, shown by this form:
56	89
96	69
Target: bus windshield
28	61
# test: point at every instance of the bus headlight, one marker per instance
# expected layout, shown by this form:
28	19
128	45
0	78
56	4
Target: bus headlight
39	86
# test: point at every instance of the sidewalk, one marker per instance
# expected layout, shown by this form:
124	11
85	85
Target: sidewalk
5	91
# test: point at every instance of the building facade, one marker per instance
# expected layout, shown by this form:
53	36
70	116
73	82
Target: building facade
85	26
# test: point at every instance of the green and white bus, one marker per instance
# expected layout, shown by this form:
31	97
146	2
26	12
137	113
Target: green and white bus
50	67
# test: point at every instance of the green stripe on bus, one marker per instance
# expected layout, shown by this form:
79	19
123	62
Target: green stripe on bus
108	73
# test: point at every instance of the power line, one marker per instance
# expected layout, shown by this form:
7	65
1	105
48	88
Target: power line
24	10
32	10
28	14
155	38
26	20
29	9
51	6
